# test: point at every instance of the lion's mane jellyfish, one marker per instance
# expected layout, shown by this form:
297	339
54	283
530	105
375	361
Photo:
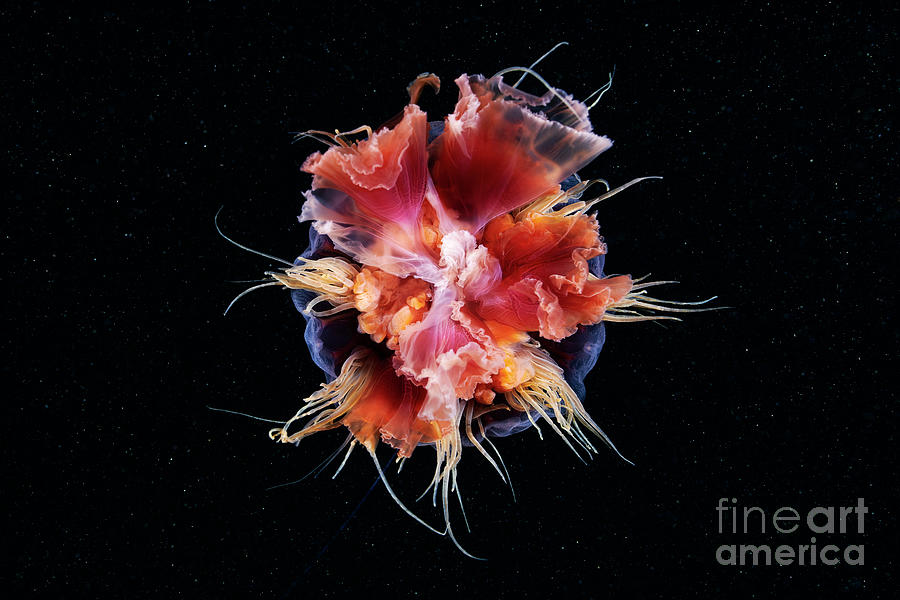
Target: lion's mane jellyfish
453	287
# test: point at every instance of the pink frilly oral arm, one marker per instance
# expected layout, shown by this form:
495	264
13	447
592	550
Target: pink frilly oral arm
368	197
495	155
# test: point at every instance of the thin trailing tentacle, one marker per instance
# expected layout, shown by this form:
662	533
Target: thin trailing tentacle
247	291
548	388
344	462
470	409
337	139
544	204
331	278
445	493
601	90
537	407
397	499
241	414
627	310
582	206
448	454
641	284
553	90
535	63
499	457
318	468
435	478
323	137
462	508
243	247
327	406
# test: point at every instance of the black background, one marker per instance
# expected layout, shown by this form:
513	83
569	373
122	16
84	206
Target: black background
127	129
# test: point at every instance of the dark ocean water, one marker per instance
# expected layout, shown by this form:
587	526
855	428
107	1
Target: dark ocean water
127	130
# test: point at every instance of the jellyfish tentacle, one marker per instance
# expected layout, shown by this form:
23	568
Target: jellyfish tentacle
549	389
330	278
499	457
612	193
535	63
414	89
623	310
333	401
247	291
601	90
470	409
545	203
318	468
346	457
445	489
550	88
397	498
462	508
241	246
243	414
338	139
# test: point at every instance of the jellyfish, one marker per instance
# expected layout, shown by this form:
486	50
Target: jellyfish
453	287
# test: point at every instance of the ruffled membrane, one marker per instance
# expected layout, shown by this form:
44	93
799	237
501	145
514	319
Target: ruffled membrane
390	410
368	197
496	155
547	286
